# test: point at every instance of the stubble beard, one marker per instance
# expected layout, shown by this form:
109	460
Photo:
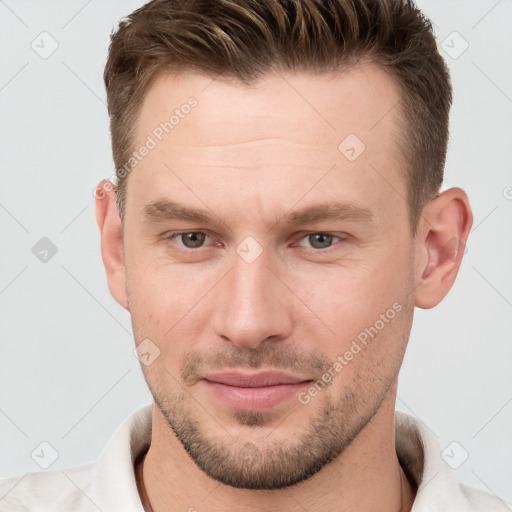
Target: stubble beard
270	463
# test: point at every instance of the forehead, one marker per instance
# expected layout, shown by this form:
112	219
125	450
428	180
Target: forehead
360	99
279	134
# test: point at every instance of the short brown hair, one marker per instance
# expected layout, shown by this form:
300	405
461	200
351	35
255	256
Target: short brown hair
245	39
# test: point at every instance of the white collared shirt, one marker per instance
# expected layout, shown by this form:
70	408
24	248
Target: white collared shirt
109	484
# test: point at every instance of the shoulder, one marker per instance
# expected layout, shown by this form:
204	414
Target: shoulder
481	501
108	484
421	458
47	490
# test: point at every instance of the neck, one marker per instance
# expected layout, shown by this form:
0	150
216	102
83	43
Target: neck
366	476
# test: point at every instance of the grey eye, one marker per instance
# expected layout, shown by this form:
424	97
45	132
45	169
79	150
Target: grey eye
320	241
193	239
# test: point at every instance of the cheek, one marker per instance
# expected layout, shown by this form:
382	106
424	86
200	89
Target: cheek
349	300
168	305
159	289
349	294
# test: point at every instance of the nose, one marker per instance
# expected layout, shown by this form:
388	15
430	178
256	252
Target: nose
252	305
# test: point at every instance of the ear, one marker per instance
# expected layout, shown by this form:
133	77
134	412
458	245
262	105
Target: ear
442	234
109	224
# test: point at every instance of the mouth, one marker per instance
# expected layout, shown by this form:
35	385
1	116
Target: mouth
254	391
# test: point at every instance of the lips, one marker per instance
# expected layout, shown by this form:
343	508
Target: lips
252	392
255	380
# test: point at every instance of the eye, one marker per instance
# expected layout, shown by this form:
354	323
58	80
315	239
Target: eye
190	239
318	240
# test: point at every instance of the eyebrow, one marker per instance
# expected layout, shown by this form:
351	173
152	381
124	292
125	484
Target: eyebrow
168	210
333	211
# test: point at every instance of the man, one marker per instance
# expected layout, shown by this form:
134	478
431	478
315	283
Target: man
277	217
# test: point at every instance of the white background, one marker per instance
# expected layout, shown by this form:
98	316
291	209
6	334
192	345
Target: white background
67	372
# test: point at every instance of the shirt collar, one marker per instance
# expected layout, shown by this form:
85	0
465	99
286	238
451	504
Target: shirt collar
115	487
419	455
114	484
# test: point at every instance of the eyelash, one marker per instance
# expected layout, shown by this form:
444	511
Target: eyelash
174	235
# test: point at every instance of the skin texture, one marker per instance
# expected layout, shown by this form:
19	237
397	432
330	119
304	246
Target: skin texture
251	158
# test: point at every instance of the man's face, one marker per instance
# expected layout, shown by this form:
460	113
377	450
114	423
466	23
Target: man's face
294	253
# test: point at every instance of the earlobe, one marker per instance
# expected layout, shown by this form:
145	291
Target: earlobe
443	232
109	224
